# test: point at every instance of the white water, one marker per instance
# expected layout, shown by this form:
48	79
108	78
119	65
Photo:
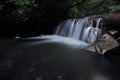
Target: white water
85	29
59	40
73	32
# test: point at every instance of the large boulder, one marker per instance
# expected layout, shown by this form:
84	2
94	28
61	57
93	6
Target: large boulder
102	45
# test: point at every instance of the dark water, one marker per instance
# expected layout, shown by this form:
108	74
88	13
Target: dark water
43	59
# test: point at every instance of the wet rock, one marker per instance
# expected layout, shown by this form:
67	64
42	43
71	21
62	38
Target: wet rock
103	44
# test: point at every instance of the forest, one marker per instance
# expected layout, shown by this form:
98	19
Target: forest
35	17
59	39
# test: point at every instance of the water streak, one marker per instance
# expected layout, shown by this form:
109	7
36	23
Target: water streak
86	29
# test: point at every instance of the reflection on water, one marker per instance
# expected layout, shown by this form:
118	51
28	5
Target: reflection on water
99	77
56	58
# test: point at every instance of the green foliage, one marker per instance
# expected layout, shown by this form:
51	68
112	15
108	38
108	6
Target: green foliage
92	3
114	8
81	9
74	12
26	13
1	6
22	9
94	7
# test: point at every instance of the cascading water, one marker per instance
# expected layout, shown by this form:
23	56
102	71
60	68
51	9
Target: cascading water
76	33
86	30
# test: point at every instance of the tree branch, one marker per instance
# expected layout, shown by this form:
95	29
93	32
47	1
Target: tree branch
88	12
79	3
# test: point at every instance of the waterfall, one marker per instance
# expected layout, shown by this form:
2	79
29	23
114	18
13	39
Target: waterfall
86	29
